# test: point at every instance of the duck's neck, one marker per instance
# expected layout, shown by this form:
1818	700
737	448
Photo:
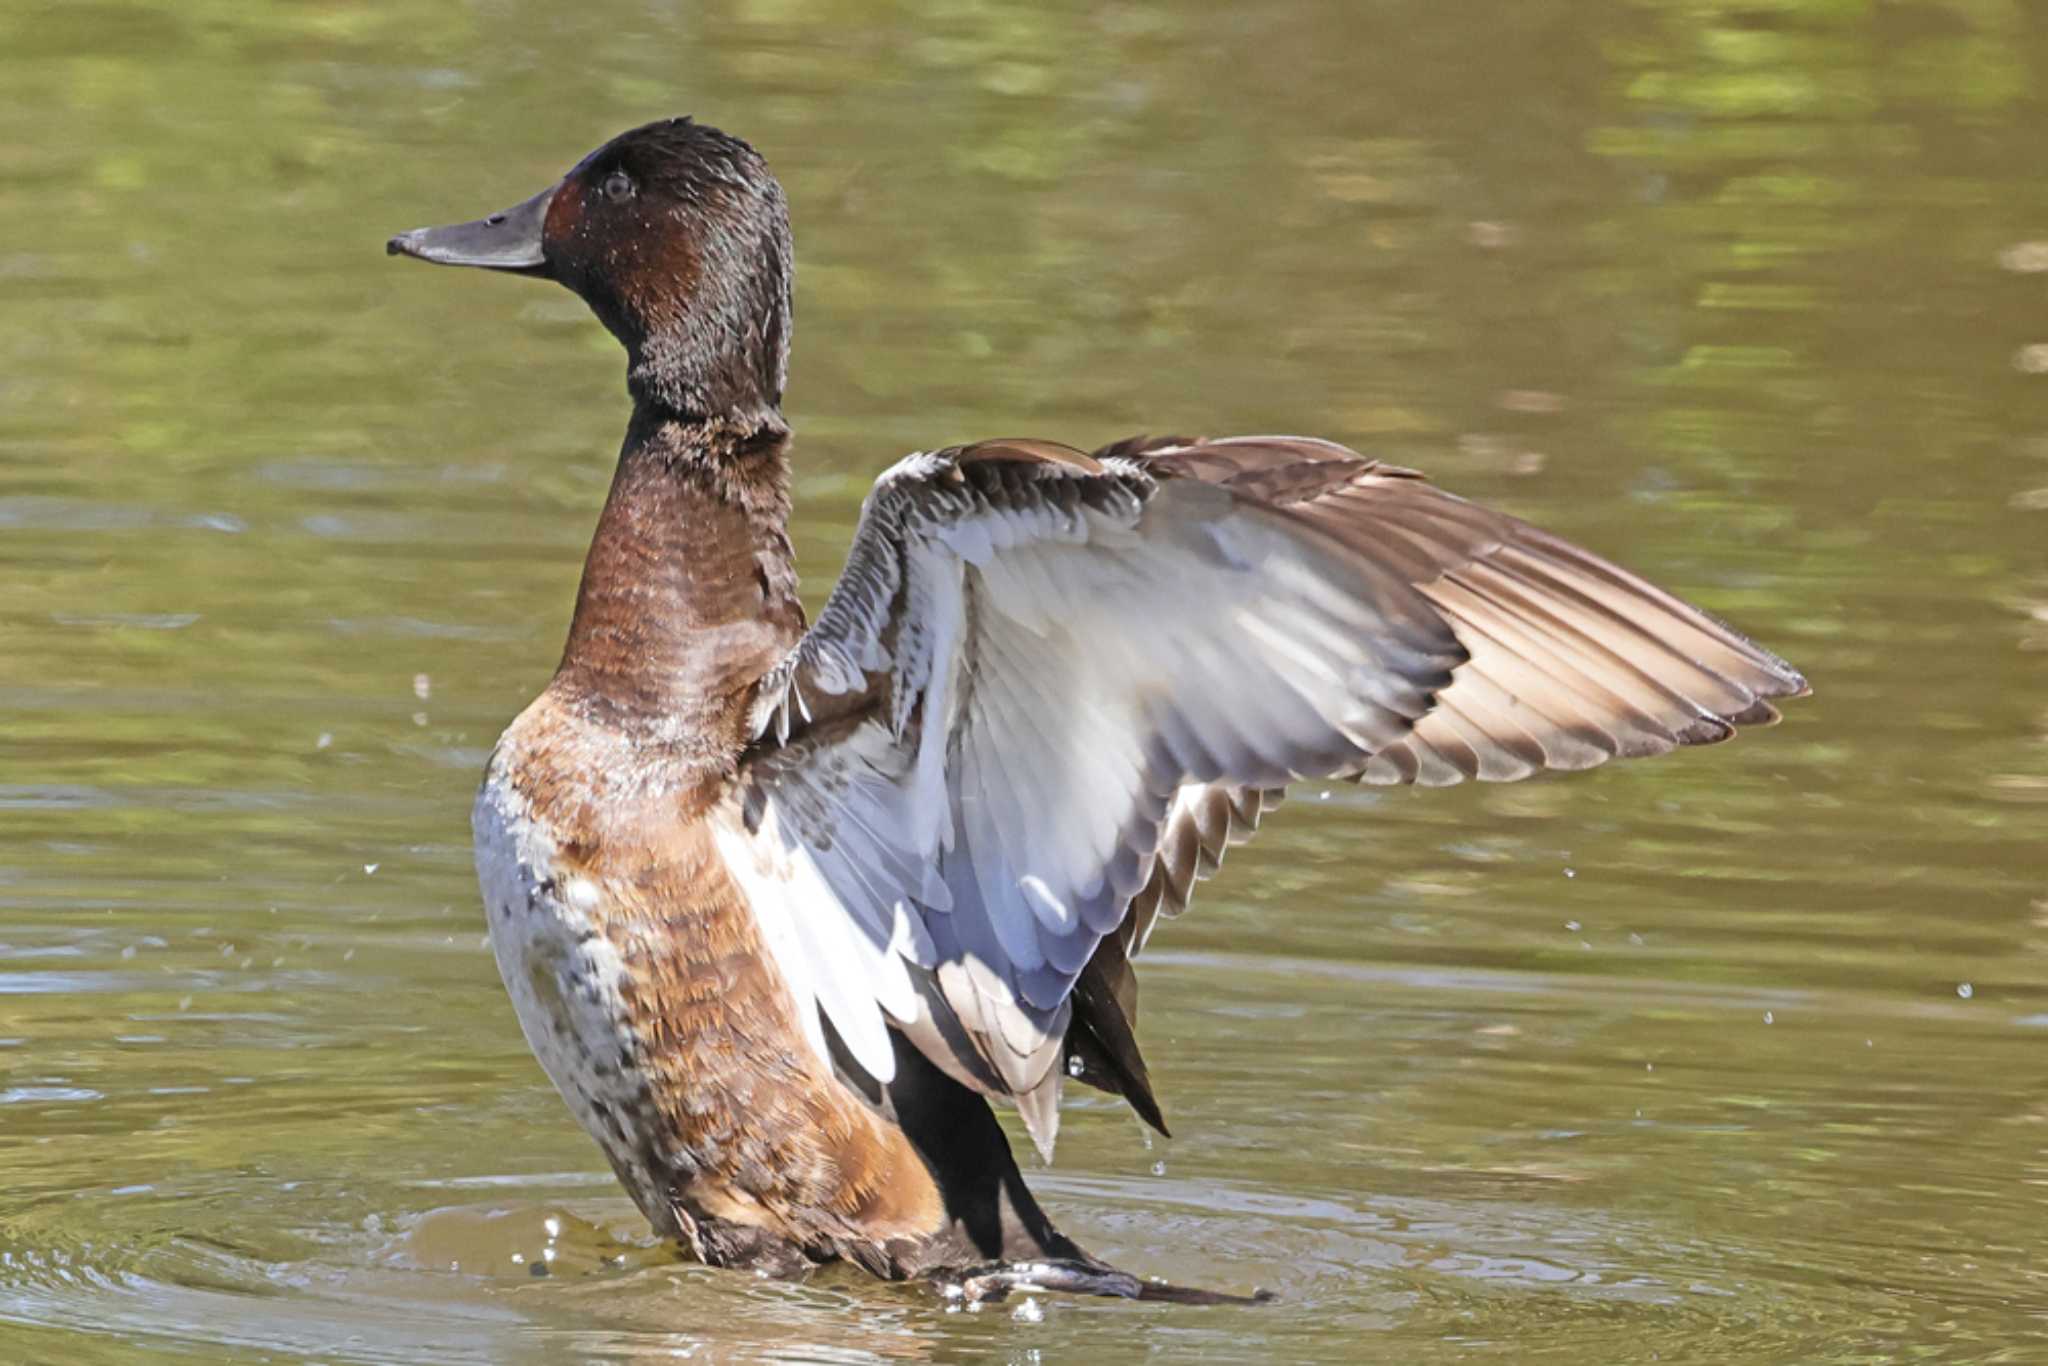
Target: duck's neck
689	590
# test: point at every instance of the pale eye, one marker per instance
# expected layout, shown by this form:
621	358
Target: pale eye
618	186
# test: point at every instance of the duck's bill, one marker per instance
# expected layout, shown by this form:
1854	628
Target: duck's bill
510	240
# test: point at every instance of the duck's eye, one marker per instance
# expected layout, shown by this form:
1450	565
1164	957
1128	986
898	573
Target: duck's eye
618	186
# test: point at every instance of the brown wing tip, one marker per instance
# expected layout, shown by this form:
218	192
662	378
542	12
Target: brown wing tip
1712	730
1786	683
1757	713
1704	730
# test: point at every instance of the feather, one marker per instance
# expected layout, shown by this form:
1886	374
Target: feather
1051	690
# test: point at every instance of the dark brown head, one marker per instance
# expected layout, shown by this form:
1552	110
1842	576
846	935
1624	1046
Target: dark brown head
678	238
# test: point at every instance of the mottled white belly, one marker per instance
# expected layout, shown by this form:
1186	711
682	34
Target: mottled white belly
564	975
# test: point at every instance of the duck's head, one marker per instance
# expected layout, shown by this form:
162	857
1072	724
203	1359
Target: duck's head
678	238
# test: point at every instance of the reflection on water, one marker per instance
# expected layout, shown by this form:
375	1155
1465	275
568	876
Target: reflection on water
1737	1055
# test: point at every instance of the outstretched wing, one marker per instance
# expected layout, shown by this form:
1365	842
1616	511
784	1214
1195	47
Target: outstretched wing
1049	688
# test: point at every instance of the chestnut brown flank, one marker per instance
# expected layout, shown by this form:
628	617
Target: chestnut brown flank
749	1131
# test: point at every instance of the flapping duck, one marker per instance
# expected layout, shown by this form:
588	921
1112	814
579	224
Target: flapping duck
782	909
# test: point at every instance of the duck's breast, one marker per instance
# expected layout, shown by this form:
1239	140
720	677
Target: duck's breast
567	979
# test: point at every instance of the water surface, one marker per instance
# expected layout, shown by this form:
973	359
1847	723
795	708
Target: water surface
1739	1055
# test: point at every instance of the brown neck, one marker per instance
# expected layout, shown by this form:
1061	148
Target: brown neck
689	591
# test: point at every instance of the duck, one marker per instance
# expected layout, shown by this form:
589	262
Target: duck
785	907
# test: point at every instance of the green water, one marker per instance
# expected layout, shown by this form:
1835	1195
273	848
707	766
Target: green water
1741	1055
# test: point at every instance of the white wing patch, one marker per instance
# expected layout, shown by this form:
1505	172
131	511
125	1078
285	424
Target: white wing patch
854	975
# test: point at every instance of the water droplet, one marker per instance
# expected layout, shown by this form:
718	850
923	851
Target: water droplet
1768	1018
1572	925
1159	1169
2026	258
326	739
1030	1311
552	1226
1965	990
370	869
1571	872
